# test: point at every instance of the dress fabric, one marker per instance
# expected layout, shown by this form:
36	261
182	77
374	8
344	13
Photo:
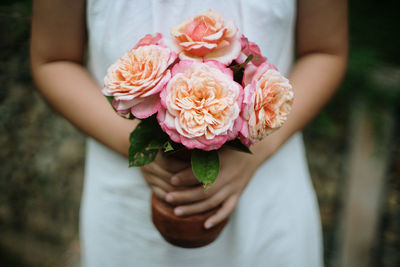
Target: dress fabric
276	222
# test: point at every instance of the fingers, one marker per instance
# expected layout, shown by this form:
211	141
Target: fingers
184	178
186	195
223	213
157	170
202	206
171	164
192	190
156	175
158	192
154	180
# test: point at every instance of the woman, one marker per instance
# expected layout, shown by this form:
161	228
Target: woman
268	195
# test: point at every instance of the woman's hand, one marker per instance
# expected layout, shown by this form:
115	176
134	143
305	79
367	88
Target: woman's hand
158	174
173	180
236	170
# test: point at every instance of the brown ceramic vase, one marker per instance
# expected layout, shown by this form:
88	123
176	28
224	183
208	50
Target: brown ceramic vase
186	232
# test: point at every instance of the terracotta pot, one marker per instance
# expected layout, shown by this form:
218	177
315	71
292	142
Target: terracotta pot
187	232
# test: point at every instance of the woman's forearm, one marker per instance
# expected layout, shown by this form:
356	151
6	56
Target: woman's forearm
58	40
70	90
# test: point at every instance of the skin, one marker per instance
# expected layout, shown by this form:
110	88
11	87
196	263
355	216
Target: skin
57	58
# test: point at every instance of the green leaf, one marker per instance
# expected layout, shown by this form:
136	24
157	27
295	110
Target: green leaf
175	148
145	142
205	166
156	143
110	99
237	145
168	147
238	67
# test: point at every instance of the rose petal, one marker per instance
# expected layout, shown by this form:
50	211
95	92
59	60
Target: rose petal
182	66
159	86
220	66
227	54
149	39
216	36
249	72
149	106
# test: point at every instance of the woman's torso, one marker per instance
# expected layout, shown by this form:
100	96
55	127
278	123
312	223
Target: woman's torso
116	26
277	213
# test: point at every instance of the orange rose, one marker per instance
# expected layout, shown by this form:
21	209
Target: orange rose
207	36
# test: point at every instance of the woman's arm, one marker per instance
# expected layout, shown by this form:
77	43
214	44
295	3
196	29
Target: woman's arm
321	47
57	51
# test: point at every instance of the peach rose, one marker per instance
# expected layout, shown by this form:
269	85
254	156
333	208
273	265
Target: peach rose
267	102
200	105
136	79
207	36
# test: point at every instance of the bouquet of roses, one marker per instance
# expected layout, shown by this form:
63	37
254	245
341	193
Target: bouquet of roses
203	88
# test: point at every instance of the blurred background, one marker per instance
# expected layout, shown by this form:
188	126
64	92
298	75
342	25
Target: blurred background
353	148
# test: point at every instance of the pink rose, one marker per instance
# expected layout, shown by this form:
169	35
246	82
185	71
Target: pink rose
149	39
267	102
136	79
207	36
251	67
200	105
250	48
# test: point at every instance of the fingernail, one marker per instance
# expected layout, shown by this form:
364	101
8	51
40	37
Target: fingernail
169	198
178	212
175	180
208	225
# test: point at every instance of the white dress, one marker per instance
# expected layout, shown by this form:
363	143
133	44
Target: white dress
276	222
